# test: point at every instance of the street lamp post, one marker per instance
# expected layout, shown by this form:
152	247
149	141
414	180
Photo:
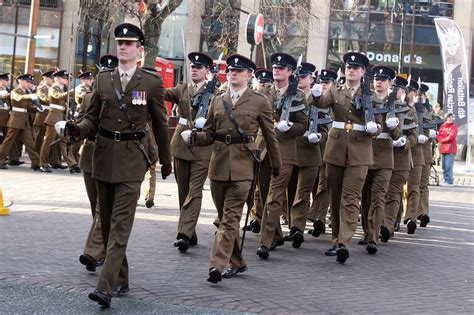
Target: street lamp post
33	28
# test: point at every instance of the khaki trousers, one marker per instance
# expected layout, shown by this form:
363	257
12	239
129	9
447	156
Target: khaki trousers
118	202
261	190
94	244
320	205
54	157
229	198
271	229
151	178
13	154
344	187
373	201
414	179
189	212
50	136
18	134
305	183
424	207
394	198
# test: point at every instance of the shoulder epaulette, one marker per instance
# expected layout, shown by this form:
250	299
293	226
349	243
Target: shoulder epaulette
258	93
153	73
106	70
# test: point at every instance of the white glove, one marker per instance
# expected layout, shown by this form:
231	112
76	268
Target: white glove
186	135
400	142
60	128
392	123
34	97
314	137
416	99
317	90
284	126
371	127
422	139
432	134
200	122
3	93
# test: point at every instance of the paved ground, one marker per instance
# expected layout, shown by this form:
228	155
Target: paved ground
429	272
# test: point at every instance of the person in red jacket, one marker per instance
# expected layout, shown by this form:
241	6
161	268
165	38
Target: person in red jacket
447	147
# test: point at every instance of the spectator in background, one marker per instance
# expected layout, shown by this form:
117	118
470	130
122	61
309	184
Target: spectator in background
436	155
447	147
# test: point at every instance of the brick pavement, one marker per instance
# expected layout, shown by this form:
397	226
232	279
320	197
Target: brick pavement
429	272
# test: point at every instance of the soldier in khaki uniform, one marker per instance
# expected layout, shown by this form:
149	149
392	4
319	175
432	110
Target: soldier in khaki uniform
57	111
54	157
191	165
94	250
263	83
320	205
286	132
414	177
86	78
423	209
309	161
379	174
19	126
5	112
348	153
231	166
122	102
403	162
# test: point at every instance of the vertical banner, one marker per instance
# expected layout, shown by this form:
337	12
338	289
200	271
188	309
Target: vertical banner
456	78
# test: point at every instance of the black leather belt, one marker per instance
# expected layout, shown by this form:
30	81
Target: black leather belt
228	139
121	136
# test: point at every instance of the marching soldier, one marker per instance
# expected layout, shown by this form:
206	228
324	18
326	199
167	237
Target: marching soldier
5	112
320	205
191	165
309	161
263	78
284	66
379	174
58	95
86	78
402	157
423	209
38	124
121	103
348	153
94	250
414	177
19	126
232	125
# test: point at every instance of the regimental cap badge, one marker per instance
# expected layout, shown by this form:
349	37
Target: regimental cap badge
279	58
353	57
125	30
196	57
109	61
236	60
380	70
263	74
325	73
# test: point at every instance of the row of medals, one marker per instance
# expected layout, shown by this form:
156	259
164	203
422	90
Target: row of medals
138	97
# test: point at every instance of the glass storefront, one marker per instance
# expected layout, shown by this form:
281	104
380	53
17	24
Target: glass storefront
374	27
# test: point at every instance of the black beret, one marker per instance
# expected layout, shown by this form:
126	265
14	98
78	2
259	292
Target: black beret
240	62
264	75
283	60
129	32
200	59
108	62
356	59
383	72
327	75
48	74
27	77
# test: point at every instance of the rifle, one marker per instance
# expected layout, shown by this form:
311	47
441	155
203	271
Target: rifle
315	121
203	101
36	103
250	197
364	101
284	103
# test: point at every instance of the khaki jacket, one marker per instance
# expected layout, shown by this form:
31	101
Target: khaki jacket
57	96
417	149
42	93
20	99
234	162
345	148
309	154
403	160
286	140
123	161
4	108
85	160
182	95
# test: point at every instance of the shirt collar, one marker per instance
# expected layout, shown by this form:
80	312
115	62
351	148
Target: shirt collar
198	85
239	92
130	72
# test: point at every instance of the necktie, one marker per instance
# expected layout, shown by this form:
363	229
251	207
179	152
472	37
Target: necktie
235	98
124	80
352	91
195	88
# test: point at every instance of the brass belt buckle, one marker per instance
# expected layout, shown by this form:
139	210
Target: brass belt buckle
227	139
348	126
117	136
